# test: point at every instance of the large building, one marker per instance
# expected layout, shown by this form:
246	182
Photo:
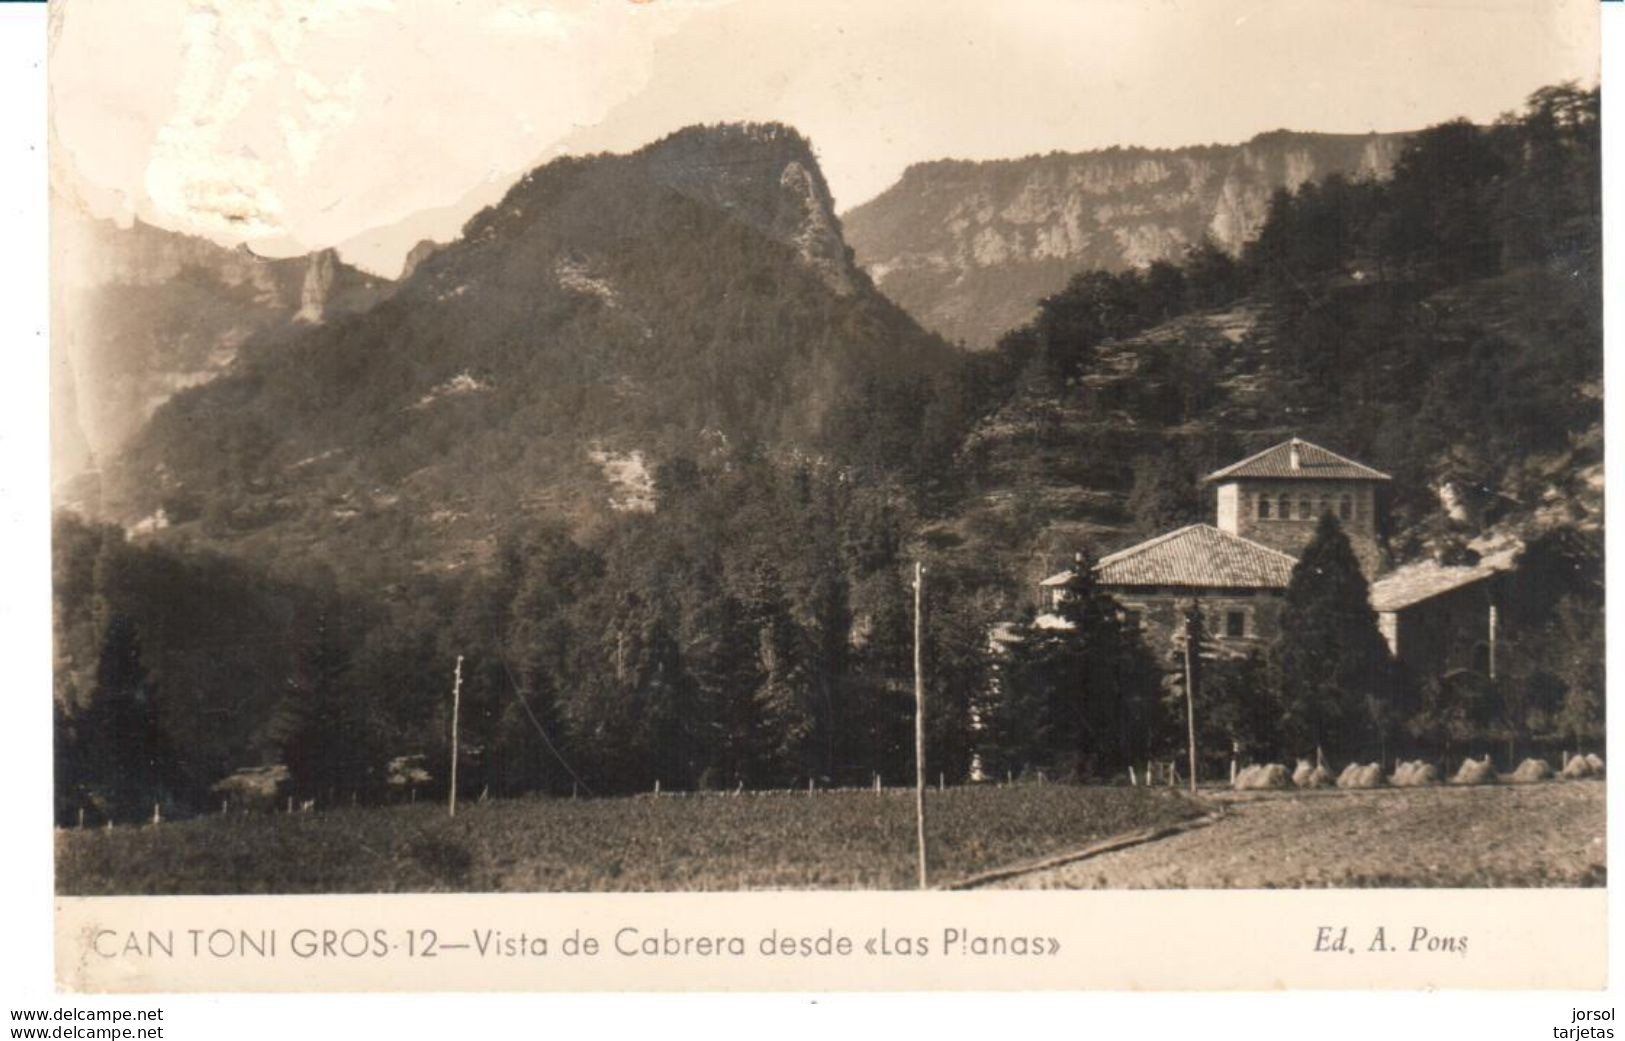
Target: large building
1277	497
1435	617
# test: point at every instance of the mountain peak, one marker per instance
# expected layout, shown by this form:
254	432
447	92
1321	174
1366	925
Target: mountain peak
766	175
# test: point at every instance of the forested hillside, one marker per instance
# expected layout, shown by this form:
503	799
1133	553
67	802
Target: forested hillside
611	312
1443	326
653	456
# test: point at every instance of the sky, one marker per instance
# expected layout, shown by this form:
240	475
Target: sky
295	125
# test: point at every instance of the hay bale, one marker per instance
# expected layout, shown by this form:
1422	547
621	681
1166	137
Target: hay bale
1580	767
1531	770
1309	775
1261	777
1274	775
1414	774
254	787
1476	771
1356	776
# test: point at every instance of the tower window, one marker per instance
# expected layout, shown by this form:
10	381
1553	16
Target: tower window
1263	507
1303	509
1285	511
1345	507
1235	623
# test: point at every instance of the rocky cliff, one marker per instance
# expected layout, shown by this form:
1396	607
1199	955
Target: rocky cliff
140	313
969	248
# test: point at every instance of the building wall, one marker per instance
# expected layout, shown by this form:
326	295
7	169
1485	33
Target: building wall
1226	517
1161	615
1445	633
1238	513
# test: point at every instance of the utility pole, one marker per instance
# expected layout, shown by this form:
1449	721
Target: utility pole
456	708
919	716
1193	652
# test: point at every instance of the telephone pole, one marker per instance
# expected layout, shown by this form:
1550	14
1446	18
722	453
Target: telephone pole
1193	654
919	716
456	708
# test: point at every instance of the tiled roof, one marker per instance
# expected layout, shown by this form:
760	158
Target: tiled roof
1314	462
1201	556
1427	579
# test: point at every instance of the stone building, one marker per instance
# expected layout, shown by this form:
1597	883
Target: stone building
1436	618
1267	509
1440	619
1277	497
1238	583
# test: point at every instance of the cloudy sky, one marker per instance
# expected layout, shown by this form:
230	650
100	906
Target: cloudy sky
300	124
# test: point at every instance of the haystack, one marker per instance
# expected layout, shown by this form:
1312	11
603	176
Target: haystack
1272	775
1532	770
1356	776
1476	771
1414	774
256	787
1310	775
1583	766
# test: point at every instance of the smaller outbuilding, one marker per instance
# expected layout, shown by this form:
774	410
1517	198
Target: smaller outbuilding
1441	618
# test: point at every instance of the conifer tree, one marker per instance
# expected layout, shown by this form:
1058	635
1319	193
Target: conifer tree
1089	680
1331	661
122	749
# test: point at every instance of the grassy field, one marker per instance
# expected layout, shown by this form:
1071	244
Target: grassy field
1549	834
774	841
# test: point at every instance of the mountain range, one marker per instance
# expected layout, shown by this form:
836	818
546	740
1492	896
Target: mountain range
610	312
142	313
969	248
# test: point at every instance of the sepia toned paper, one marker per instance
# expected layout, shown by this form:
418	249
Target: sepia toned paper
1247	940
311	176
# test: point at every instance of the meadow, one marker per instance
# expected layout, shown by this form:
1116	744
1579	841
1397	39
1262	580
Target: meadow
1449	836
780	840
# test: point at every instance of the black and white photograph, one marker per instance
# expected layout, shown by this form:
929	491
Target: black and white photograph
552	446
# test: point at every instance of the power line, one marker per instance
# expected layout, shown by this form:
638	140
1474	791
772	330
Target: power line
520	697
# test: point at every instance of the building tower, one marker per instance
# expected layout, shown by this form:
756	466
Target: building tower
1278	496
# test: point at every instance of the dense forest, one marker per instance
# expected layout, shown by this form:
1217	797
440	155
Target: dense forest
754	627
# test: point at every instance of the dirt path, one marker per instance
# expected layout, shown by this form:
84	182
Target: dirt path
1506	835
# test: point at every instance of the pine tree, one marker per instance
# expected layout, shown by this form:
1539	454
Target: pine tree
1331	661
321	728
1088	678
122	751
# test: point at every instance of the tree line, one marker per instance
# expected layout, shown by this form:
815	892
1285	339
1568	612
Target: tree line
678	652
755	628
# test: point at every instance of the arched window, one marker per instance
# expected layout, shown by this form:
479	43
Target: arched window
1285	510
1345	507
1263	507
1303	509
1325	506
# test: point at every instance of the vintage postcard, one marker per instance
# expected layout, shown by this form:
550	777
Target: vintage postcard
765	495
